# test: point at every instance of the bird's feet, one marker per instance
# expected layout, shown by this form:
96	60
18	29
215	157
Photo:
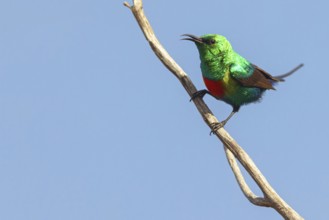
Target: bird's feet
216	125
200	94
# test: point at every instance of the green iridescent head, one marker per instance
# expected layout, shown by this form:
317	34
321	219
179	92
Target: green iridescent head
210	44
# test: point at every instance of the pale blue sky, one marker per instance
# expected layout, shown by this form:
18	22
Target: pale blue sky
92	126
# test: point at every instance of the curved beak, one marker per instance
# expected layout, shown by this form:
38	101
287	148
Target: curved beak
193	38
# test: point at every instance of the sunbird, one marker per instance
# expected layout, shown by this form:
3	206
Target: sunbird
228	76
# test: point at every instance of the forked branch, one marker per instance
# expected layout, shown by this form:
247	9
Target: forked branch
232	149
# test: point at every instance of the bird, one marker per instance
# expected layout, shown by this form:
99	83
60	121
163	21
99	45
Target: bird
228	76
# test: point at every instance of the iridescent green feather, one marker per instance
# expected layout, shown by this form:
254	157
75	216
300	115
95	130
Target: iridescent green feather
220	62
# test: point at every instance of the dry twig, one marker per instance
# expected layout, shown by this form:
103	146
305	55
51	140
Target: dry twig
232	149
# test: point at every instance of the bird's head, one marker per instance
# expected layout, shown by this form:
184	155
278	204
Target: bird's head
210	44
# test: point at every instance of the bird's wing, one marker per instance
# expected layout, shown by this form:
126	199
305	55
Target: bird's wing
250	75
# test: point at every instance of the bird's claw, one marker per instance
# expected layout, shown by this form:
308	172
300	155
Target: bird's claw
199	93
215	126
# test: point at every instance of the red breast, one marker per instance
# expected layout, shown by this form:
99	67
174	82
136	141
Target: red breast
216	88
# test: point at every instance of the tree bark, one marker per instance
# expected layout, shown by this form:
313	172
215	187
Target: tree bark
233	151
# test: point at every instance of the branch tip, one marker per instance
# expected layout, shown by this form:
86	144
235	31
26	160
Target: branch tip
127	5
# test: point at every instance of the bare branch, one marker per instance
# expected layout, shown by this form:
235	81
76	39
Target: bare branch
242	183
272	199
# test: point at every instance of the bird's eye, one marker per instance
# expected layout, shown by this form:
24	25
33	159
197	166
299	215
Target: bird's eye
212	41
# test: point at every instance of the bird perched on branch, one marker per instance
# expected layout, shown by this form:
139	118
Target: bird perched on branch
230	77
